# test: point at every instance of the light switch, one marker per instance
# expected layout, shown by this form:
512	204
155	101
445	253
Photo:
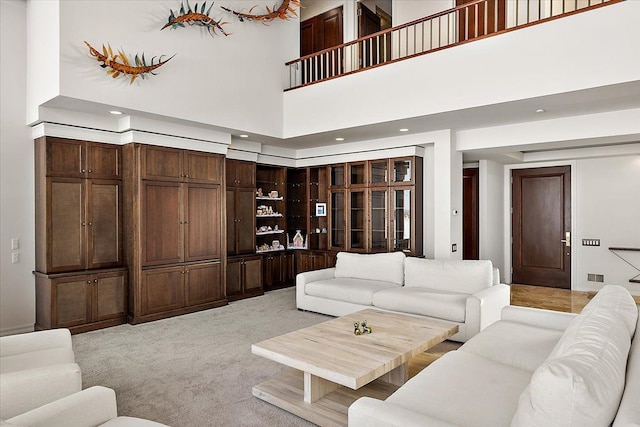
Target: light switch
15	257
15	244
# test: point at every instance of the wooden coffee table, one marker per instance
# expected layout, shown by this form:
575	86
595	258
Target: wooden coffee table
335	367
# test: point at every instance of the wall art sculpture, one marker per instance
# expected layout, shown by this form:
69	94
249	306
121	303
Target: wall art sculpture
193	17
115	68
284	11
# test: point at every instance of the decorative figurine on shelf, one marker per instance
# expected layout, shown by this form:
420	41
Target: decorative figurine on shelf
275	227
356	328
259	192
298	240
273	194
365	329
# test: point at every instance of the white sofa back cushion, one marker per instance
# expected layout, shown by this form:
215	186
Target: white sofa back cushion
385	267
582	380
468	276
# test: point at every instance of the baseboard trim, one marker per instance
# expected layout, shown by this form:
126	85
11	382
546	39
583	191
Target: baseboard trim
16	330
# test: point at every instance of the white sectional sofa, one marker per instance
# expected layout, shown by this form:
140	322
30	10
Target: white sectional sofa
532	368
467	293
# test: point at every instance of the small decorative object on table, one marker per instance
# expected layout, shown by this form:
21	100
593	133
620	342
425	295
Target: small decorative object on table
356	328
365	329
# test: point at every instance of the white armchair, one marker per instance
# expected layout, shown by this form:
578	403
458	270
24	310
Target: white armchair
36	368
95	406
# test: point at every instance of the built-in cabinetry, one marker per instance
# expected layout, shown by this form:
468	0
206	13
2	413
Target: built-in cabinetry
278	269
80	282
173	244
244	272
376	206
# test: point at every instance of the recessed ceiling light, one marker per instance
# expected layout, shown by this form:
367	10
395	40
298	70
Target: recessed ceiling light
540	110
243	136
115	112
404	130
339	139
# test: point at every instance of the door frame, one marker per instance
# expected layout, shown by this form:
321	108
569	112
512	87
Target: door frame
507	215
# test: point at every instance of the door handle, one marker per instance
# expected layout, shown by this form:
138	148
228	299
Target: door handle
567	239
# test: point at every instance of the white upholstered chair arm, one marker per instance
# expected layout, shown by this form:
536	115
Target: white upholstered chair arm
484	307
311	276
91	407
369	412
34	341
537	317
22	391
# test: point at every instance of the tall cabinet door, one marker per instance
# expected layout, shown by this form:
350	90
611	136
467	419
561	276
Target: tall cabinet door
232	222
403	223
246	216
378	220
161	225
202	224
103	223
66	224
357	222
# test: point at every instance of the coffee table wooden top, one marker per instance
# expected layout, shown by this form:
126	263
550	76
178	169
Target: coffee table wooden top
330	350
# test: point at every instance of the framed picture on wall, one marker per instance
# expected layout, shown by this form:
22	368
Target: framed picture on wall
321	209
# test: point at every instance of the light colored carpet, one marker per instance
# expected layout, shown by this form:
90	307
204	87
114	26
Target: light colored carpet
196	369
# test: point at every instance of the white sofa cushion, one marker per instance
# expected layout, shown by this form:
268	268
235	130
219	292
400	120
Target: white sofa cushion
515	344
426	302
468	276
356	291
385	267
629	410
617	299
463	389
36	359
582	380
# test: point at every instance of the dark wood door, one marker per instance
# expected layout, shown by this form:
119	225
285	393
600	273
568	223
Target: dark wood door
246	216
109	295
161	224
72	296
232	222
480	19
252	274
202	222
470	215
161	163
318	33
162	289
234	276
65	157
203	283
103	161
541	226
202	167
246	174
369	23
66	224
104	221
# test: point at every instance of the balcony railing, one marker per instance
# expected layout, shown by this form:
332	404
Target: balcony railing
471	21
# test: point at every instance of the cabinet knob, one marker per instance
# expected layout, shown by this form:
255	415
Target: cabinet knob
186	176
186	222
83	171
88	281
89	171
95	281
83	224
90	224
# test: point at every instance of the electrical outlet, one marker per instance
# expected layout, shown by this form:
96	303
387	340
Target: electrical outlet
15	257
454	248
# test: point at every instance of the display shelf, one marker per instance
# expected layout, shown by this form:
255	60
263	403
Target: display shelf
264	233
269	216
275	199
282	248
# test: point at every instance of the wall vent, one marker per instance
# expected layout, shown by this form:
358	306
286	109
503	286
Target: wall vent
595	277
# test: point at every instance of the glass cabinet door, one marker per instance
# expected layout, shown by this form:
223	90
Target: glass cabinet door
357	221
337	175
402	171
378	172
402	221
337	220
357	174
378	217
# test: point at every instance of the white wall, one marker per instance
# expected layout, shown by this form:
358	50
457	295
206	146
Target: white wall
233	82
491	202
409	10
17	285
608	208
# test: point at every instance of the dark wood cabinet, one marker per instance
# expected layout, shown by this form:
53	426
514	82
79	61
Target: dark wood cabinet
314	260
244	277
78	232
81	301
241	207
278	270
174	248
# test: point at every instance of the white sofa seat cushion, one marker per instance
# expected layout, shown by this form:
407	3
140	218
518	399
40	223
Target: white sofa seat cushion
468	276
385	267
356	291
582	381
629	410
36	359
515	344
426	302
463	389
